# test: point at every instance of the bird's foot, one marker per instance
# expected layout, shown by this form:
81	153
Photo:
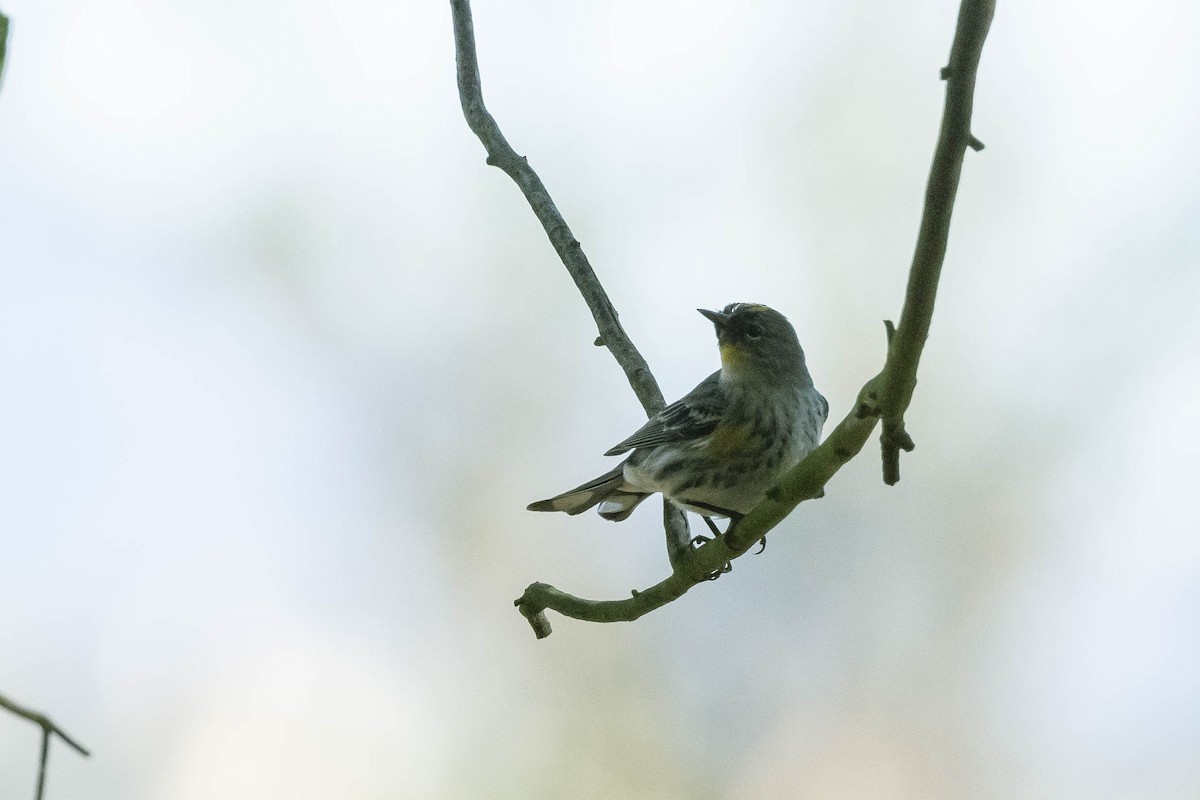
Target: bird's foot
712	576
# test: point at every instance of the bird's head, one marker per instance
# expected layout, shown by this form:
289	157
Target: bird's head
758	342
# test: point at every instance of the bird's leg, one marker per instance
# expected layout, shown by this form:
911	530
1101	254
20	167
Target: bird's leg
717	533
712	526
734	519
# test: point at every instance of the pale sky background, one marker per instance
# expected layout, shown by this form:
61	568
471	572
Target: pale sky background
284	361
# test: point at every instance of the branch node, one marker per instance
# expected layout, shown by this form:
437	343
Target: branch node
895	436
47	726
890	327
947	73
599	341
975	144
534	612
867	403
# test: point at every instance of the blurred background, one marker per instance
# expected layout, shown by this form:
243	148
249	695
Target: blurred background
284	361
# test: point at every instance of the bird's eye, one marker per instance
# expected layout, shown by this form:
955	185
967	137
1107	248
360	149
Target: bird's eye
753	331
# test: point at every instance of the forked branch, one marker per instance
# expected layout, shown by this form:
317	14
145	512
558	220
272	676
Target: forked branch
885	396
48	729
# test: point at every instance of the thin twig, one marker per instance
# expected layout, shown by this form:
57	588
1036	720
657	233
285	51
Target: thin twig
904	352
41	782
43	722
48	728
501	154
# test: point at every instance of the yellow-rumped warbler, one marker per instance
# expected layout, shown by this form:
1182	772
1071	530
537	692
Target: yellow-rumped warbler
727	442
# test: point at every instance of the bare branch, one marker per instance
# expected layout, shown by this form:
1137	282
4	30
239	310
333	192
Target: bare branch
43	722
612	335
904	352
885	396
42	759
501	154
48	728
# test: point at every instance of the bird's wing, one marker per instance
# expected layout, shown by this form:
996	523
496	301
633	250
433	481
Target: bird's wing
694	416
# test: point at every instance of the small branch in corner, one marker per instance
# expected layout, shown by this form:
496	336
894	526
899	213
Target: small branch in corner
48	729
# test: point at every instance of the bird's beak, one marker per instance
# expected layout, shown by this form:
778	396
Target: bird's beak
716	317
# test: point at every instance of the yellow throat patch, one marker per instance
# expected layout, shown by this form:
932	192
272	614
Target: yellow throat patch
733	357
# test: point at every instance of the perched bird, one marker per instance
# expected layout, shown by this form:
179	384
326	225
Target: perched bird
718	450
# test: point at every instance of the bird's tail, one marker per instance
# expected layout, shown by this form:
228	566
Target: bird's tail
609	489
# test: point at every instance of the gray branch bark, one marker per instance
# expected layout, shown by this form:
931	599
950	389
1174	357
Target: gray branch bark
501	154
885	396
904	348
